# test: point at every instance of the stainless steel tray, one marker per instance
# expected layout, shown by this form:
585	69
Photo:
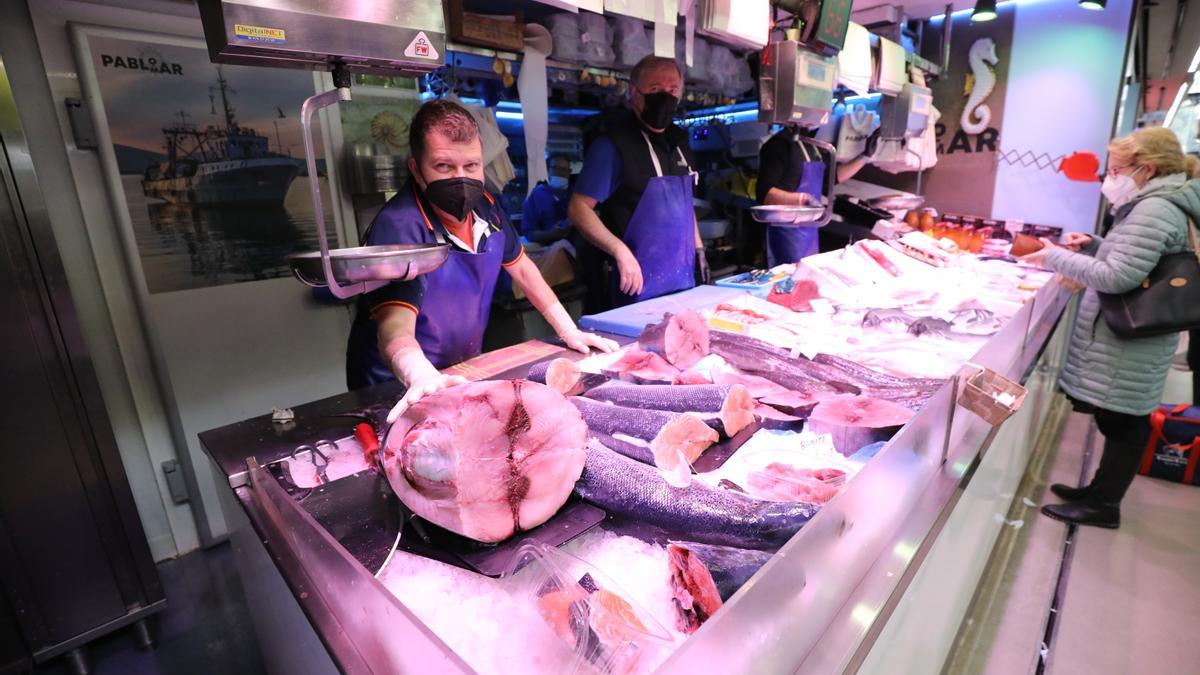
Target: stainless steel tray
400	262
785	216
896	202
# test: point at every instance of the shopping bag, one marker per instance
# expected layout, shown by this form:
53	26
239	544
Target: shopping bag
1173	451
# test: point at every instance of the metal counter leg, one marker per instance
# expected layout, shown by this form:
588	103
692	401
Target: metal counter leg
78	661
143	635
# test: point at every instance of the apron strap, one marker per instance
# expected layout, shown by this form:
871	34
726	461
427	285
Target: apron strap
654	156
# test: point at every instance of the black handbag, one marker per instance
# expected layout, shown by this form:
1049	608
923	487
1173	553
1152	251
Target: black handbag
1168	301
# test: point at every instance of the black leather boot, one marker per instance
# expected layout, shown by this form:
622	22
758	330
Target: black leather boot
1071	494
1086	513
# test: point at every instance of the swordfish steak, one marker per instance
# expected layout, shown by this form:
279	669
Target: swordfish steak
487	459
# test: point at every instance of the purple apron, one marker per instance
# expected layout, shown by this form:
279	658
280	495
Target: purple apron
661	235
454	309
791	244
457	302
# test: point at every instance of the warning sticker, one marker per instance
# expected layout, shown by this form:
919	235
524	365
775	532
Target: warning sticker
421	48
275	36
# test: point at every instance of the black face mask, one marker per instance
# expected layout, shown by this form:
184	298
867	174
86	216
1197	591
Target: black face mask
456	196
658	109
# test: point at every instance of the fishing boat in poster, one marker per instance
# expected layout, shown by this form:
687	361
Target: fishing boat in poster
214	166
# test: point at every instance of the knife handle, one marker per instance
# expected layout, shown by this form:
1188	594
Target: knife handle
365	435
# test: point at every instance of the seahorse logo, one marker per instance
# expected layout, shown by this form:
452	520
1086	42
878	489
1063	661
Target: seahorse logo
976	115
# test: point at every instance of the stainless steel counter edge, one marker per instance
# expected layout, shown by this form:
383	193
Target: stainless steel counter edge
792	616
345	603
808	609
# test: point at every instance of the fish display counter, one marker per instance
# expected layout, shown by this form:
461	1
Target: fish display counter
776	481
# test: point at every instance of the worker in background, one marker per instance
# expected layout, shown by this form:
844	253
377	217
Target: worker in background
411	329
640	175
792	173
544	215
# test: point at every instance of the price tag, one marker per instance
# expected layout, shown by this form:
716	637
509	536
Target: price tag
821	444
798	350
821	305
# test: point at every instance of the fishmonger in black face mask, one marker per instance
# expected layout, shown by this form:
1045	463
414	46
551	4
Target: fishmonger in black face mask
632	202
457	196
656	98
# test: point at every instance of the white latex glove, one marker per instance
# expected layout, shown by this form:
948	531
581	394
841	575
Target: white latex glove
574	338
420	378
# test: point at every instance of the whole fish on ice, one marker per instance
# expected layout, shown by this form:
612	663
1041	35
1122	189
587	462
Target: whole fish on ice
628	488
704	576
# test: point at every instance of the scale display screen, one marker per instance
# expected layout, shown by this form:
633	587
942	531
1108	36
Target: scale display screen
835	19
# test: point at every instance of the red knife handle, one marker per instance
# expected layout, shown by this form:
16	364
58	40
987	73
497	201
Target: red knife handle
367	439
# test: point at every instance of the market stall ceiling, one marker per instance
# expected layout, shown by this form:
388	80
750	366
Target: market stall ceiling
1162	17
915	9
1162	22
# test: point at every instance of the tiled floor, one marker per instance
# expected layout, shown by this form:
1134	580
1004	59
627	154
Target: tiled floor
1133	597
1131	600
205	630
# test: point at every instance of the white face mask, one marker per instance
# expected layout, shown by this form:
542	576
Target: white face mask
1120	188
557	182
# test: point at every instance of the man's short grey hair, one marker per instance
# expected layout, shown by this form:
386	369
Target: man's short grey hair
649	63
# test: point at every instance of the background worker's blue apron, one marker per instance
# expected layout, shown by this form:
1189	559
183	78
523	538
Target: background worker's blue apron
790	244
661	235
454	312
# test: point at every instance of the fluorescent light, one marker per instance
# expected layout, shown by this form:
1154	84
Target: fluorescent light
1094	5
731	117
1175	106
507	115
868	98
1195	62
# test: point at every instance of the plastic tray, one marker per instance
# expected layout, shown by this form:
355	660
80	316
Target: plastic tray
608	632
896	202
744	282
784	216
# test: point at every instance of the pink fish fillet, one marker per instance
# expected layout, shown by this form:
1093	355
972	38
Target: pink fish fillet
786	483
772	393
642	367
487	459
682	339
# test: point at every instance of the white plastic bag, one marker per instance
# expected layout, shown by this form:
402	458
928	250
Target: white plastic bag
632	41
917	153
856	126
722	69
596	38
564	29
741	82
698	71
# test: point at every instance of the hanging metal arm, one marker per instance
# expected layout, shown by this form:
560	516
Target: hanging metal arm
830	178
312	104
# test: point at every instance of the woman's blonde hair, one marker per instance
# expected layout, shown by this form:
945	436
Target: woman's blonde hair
1156	146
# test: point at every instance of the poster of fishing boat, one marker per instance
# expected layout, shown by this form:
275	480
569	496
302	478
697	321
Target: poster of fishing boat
211	162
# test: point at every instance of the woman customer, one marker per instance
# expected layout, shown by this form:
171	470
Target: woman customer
1154	194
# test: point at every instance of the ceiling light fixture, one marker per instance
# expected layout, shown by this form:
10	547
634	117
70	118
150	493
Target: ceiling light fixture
1094	5
985	10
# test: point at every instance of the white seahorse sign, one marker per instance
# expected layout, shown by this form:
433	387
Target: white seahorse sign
976	116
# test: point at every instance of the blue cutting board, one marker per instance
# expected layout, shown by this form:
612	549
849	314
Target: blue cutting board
631	319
